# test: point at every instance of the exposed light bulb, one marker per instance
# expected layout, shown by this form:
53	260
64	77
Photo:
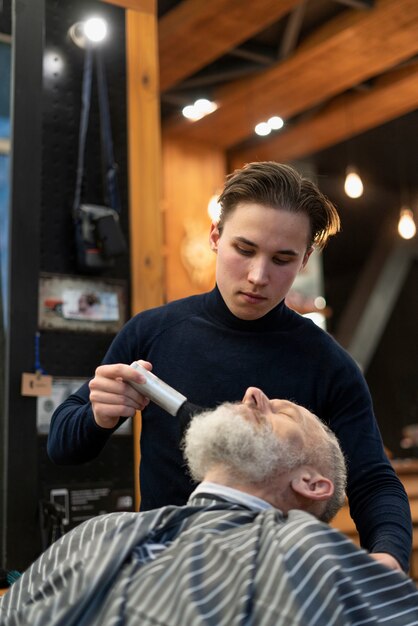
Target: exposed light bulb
95	29
406	225
353	185
214	209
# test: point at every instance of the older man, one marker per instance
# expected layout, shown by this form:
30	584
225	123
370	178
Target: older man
248	548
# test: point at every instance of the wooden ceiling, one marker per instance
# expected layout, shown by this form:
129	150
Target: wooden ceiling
331	69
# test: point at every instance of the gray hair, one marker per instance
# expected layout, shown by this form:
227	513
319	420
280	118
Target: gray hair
327	455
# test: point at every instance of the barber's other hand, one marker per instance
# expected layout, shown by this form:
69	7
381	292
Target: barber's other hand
111	397
386	559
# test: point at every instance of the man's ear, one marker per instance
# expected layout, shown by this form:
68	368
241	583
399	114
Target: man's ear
214	237
312	485
306	256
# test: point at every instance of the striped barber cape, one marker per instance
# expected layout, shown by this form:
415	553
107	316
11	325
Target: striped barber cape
211	563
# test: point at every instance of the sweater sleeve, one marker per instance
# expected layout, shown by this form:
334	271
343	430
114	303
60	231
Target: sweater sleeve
378	502
74	437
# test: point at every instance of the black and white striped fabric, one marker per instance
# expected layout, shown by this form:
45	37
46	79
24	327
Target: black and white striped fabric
211	563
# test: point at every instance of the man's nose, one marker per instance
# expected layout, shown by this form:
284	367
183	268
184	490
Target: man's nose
258	273
254	397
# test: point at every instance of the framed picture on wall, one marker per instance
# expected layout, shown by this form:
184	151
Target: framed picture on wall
81	304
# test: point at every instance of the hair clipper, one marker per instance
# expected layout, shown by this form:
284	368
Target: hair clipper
165	396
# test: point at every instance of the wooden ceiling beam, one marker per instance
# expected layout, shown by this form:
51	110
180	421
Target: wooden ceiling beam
348	51
392	95
197	32
292	32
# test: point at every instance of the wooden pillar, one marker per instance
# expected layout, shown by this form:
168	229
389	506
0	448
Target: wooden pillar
144	155
192	173
144	137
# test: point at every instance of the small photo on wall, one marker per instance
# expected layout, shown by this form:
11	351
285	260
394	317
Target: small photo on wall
80	304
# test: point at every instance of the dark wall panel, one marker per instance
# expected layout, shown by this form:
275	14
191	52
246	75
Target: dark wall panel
44	161
6	17
20	470
69	353
77	354
61	117
393	373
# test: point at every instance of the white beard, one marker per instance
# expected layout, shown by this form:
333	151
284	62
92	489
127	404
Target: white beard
251	453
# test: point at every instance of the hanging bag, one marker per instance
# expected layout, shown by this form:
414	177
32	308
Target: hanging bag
98	235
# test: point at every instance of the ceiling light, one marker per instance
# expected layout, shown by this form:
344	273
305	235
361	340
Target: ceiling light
199	109
406	225
275	122
353	185
262	129
189	112
204	106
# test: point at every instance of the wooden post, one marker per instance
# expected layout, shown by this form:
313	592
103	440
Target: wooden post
144	155
144	158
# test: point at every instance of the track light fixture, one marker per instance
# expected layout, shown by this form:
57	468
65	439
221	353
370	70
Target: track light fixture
89	32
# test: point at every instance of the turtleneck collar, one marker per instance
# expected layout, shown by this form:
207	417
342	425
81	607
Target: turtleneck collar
217	309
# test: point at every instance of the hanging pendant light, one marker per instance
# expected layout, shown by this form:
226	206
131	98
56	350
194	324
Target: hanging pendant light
406	225
353	185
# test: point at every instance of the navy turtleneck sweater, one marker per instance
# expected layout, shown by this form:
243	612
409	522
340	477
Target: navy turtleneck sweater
200	348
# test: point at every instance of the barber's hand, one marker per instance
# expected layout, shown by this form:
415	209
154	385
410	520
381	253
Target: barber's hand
111	397
386	559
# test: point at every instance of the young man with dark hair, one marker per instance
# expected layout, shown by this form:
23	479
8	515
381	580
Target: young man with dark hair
211	347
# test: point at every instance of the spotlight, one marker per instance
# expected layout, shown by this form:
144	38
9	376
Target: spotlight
95	29
90	32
